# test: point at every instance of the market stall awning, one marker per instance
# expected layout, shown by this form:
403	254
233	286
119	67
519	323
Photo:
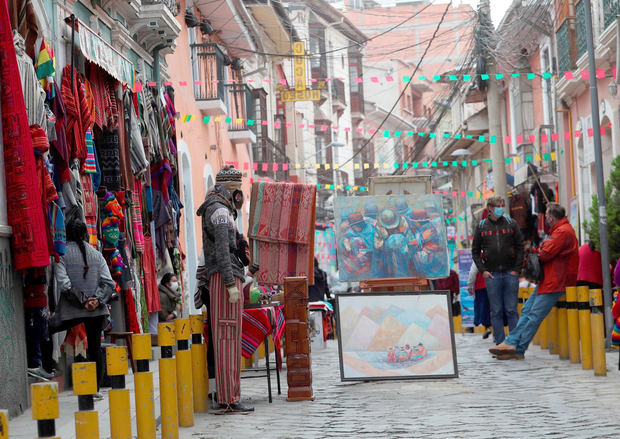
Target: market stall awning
102	53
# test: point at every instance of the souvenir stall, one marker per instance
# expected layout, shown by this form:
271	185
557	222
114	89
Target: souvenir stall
83	144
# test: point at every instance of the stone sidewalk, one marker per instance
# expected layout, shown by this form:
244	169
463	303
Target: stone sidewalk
538	397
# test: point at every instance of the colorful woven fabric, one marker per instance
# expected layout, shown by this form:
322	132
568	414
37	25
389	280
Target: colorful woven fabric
90	167
57	219
75	341
25	213
110	160
151	290
91	225
257	324
45	66
78	113
136	216
282	231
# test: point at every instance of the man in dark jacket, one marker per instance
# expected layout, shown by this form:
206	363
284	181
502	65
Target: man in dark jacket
497	251
559	256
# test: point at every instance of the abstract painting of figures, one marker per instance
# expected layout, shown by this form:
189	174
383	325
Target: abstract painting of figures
394	335
391	237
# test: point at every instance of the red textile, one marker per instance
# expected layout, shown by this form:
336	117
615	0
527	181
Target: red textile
480	283
450	283
590	267
46	185
560	258
131	318
150	277
78	114
282	227
257	324
25	213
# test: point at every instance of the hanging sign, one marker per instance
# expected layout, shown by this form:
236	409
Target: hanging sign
300	95
299	65
467	301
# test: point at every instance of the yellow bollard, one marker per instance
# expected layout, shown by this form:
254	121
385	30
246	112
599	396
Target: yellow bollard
572	317
120	413
84	377
544	333
456	320
598	333
562	328
4	424
168	382
521	300
185	396
552	329
45	408
585	329
143	381
200	374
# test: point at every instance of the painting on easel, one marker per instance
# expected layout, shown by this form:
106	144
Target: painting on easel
391	237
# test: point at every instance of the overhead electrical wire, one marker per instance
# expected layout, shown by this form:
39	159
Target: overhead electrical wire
365	145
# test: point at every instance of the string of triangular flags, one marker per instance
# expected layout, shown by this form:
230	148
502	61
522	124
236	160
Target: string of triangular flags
568	75
365	130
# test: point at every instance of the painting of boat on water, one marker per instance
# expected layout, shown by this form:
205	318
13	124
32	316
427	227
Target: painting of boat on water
395	335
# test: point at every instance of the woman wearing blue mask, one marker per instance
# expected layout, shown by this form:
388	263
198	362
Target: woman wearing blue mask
497	251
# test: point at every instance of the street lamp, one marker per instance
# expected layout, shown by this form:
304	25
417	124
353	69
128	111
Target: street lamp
462	153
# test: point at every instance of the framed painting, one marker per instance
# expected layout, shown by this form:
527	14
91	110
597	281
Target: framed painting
391	237
401	185
395	335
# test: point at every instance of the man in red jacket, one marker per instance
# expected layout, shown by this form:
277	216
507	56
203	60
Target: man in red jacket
559	256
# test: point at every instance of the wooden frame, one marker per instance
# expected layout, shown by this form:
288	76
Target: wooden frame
420	184
371	324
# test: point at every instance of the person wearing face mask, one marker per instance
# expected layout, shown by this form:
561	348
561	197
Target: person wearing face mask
170	298
497	251
225	272
559	256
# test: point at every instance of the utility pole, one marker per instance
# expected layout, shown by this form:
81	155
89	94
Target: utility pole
600	181
498	161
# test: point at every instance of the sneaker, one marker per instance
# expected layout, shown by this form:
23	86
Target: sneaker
39	372
502	348
487	333
97	397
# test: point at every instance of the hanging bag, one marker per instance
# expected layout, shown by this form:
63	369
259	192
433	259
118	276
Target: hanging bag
533	268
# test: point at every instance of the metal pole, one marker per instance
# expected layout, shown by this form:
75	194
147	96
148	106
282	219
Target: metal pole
600	181
463	189
498	161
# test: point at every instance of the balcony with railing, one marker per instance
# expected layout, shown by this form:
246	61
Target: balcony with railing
611	9
240	110
209	90
156	24
266	153
339	99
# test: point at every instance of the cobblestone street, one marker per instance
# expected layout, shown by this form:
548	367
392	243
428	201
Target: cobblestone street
538	397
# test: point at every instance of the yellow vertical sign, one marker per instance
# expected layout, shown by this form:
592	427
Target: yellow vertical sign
299	65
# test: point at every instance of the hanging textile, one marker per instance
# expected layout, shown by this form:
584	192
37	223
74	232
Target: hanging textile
151	290
34	95
60	151
139	163
25	213
282	230
46	185
78	114
109	160
45	65
136	216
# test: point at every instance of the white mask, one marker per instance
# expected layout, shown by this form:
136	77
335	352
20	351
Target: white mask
174	286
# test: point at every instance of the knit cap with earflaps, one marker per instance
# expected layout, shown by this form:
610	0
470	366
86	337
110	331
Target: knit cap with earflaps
228	174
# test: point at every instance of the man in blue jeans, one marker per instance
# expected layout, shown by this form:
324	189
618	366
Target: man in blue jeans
559	256
497	251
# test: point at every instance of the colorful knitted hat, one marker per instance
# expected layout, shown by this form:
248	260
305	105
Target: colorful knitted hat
228	174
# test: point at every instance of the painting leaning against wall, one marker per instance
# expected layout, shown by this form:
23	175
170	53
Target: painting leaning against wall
391	237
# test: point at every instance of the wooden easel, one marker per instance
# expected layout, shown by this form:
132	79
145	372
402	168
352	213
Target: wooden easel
395	284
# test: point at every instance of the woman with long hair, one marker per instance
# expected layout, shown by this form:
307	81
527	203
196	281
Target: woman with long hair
85	287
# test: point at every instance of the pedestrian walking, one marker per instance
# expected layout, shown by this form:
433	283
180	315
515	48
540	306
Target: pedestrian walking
497	251
169	297
559	256
482	309
319	291
590	272
86	286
